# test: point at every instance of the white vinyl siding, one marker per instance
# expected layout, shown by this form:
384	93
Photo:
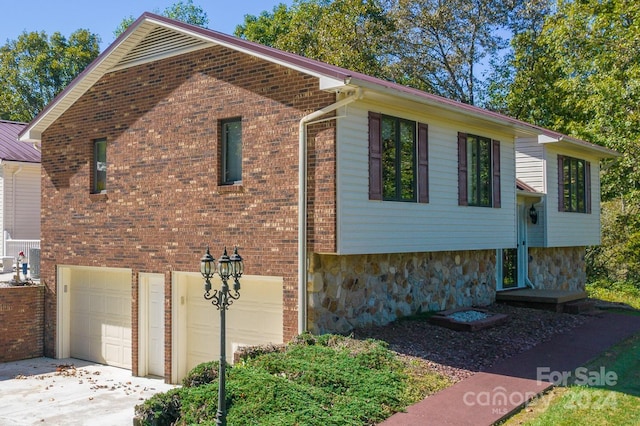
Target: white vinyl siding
21	200
565	229
530	163
366	226
536	233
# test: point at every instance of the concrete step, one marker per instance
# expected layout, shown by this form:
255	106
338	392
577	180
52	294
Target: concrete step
579	306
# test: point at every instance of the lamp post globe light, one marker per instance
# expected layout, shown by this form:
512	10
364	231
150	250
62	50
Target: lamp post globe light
229	267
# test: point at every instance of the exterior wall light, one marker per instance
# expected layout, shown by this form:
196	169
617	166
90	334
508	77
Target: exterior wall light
533	214
229	267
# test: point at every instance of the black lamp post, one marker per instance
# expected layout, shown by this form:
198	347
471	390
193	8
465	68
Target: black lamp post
228	267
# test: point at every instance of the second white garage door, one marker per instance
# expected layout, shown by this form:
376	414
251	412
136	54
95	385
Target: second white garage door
100	315
255	319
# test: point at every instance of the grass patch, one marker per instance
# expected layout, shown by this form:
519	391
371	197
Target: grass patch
618	292
608	404
316	380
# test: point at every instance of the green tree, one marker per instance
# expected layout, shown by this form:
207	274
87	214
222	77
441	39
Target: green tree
348	33
450	47
580	75
35	68
439	46
184	11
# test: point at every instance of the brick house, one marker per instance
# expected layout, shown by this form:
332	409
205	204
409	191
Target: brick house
177	138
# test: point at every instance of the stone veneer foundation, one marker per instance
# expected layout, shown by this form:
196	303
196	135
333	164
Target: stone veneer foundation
347	292
558	268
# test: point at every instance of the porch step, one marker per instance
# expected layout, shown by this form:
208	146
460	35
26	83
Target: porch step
580	306
550	300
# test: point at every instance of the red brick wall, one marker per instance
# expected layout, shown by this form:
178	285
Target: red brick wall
321	215
21	322
163	203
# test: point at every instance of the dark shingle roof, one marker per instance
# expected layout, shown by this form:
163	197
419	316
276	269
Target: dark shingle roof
11	149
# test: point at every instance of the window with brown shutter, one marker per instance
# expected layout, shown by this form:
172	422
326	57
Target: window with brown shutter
478	171
375	156
398	159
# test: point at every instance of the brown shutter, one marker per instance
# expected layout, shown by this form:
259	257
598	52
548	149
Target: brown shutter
463	198
375	156
587	186
423	163
497	196
560	183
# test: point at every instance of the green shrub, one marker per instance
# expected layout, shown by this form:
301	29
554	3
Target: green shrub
314	380
624	292
161	409
202	374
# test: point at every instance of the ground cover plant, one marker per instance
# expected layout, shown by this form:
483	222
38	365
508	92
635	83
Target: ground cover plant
314	380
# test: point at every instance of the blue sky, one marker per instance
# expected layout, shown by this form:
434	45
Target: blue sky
102	17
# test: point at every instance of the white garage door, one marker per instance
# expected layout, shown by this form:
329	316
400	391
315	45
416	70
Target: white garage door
100	316
256	318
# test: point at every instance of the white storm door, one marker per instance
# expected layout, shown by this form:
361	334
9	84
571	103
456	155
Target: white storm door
152	324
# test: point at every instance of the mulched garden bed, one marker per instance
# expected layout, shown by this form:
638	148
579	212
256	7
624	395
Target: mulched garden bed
459	355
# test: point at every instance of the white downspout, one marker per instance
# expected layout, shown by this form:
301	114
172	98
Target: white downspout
302	203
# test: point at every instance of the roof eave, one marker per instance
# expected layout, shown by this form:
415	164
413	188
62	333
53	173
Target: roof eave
331	78
557	138
33	131
543	135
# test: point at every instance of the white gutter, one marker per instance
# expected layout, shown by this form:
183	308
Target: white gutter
302	202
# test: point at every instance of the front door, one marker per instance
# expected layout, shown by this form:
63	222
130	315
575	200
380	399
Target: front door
523	246
513	263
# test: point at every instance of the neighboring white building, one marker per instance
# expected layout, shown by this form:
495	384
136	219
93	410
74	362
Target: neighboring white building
19	189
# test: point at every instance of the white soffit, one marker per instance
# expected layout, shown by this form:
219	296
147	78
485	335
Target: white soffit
159	43
149	42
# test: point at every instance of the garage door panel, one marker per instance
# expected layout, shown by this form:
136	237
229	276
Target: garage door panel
97	301
81	346
81	299
100	316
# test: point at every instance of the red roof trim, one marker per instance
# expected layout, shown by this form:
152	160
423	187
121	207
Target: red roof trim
312	66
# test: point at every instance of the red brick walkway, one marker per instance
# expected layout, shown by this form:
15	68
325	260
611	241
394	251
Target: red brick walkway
487	397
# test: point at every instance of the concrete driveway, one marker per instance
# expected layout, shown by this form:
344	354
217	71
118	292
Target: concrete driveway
45	391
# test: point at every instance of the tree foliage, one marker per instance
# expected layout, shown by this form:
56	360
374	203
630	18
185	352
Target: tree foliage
435	45
184	11
586	85
348	33
580	74
440	44
35	68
